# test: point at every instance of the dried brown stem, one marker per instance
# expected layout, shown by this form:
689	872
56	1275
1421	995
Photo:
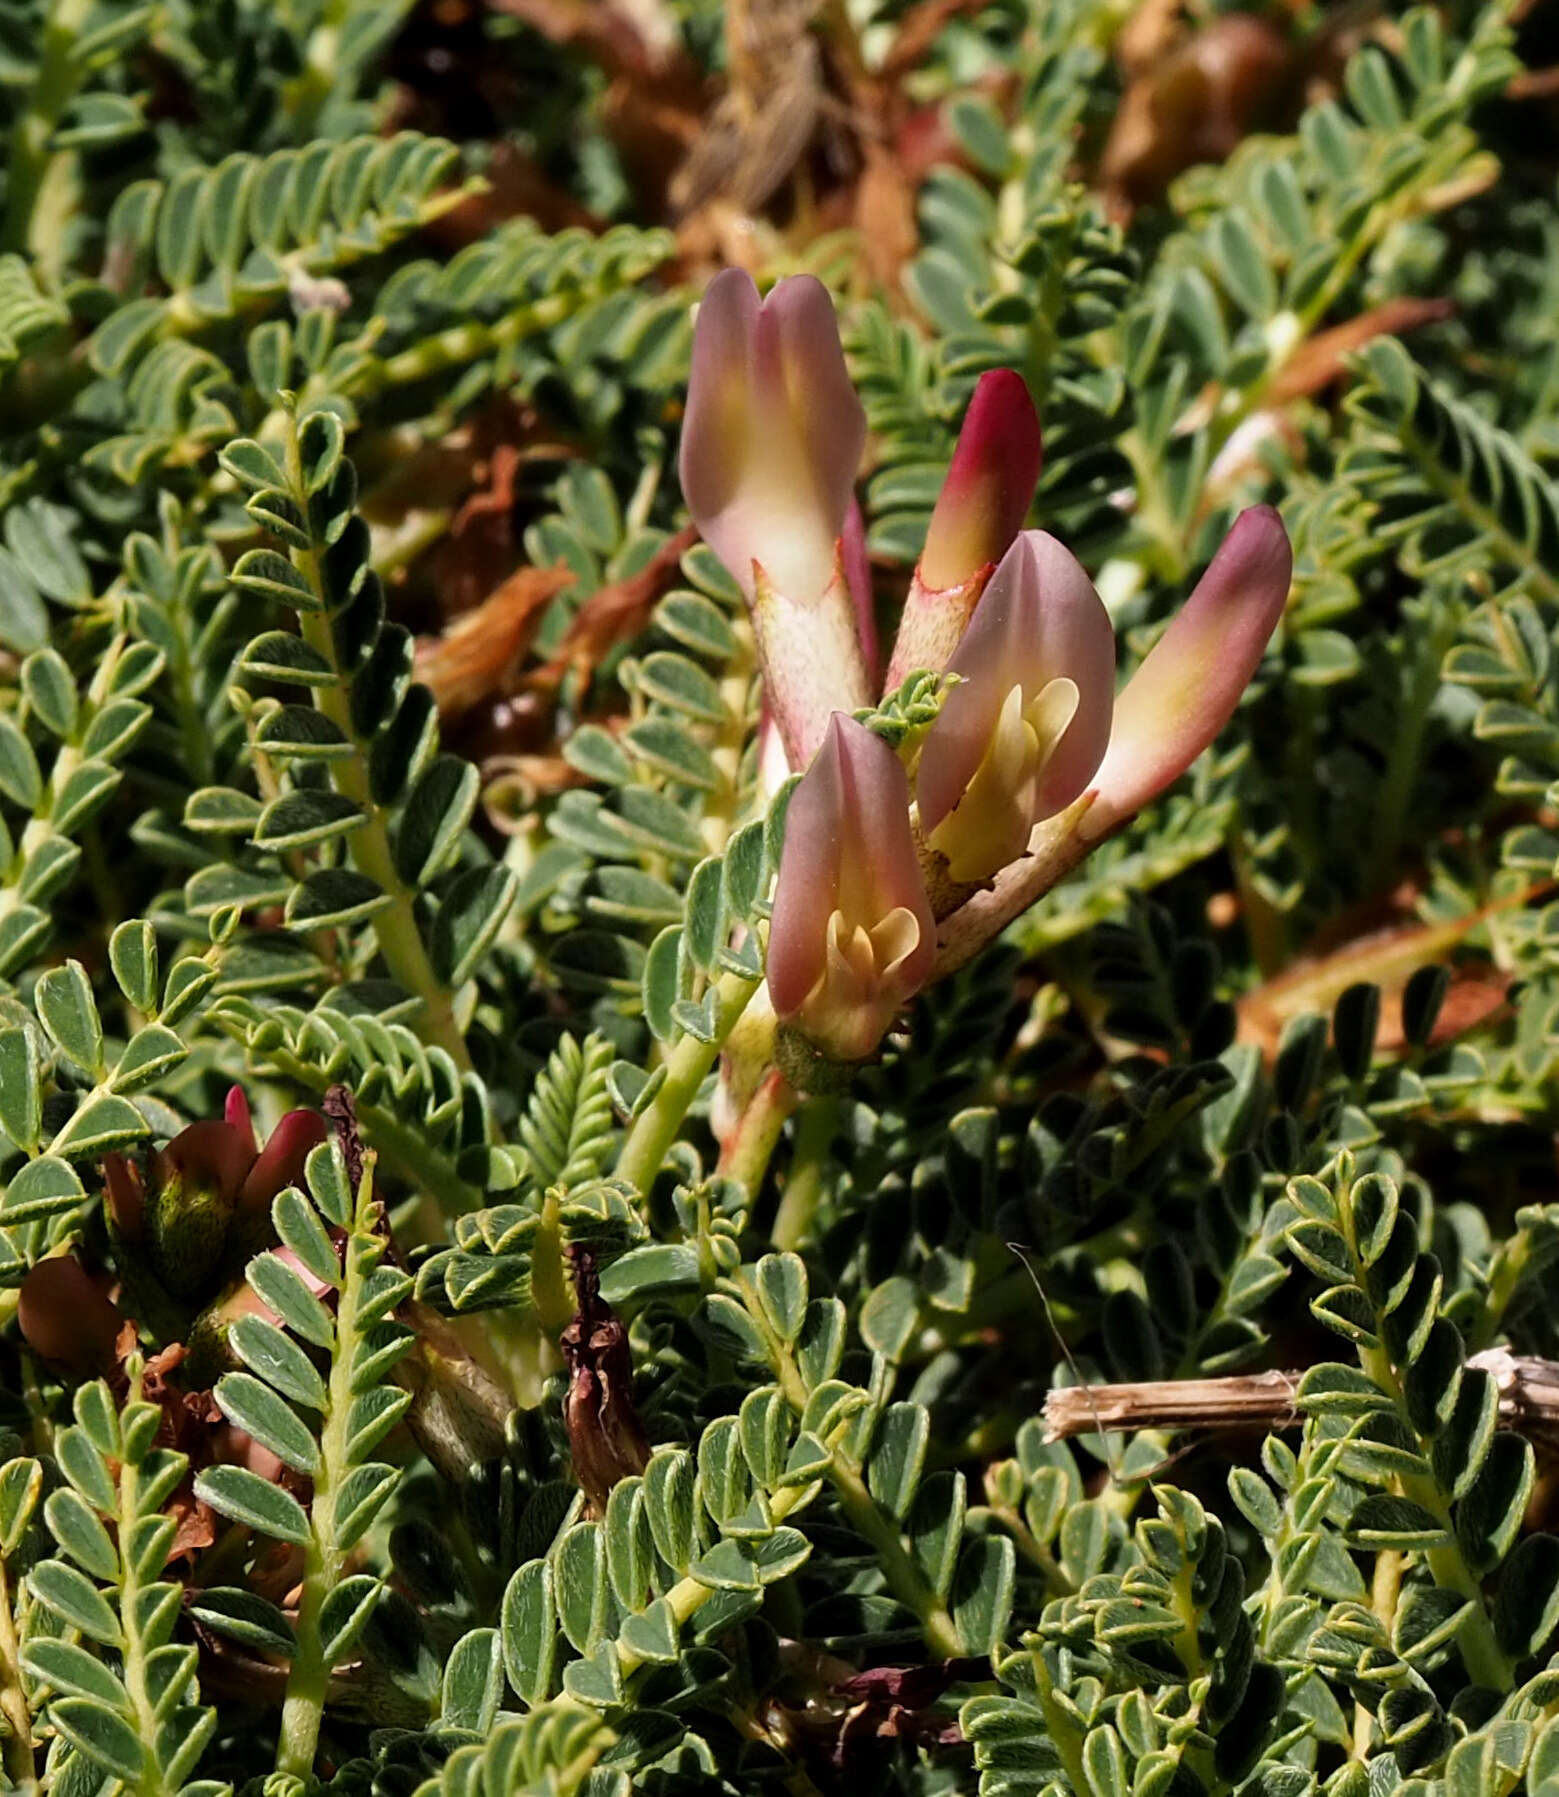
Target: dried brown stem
1528	1401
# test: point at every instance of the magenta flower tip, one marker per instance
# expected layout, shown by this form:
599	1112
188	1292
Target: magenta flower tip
990	483
236	1115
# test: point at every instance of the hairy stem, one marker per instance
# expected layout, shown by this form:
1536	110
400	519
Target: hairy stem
304	1706
395	928
804	1182
686	1068
17	1747
869	1520
749	1150
132	1592
28	163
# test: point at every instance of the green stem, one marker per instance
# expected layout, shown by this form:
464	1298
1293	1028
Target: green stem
686	1068
1506	1271
551	1293
395	928
688	1596
904	1578
304	1706
20	1767
59	77
747	1154
132	1595
1057	1584
1403	764
1187	1643
1060	1726
1485	1663
804	1182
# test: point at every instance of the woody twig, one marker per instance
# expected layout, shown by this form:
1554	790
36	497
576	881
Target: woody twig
1528	1401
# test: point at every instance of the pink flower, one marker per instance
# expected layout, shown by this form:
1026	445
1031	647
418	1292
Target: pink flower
1191	680
983	503
1019	738
770	447
852	937
1174	705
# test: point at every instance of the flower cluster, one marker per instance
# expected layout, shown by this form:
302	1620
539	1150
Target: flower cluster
899	864
183	1226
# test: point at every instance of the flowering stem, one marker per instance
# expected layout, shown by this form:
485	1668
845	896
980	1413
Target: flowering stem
1055	848
686	1068
804	1182
751	1146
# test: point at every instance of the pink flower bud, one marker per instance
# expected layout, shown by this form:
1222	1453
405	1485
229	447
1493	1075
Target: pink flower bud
209	1158
989	485
1019	738
1191	680
238	1117
983	503
280	1163
770	447
852	936
773	434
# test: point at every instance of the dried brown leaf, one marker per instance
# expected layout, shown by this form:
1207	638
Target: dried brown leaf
885	216
614	613
1387	958
1192	105
477	656
1318	361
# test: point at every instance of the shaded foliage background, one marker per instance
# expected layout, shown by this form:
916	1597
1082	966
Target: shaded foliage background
371	719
